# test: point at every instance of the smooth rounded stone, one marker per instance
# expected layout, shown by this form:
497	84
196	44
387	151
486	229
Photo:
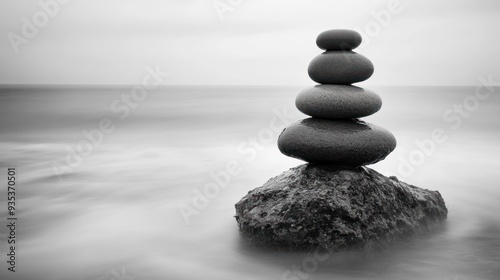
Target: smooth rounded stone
338	40
313	206
340	67
338	101
342	142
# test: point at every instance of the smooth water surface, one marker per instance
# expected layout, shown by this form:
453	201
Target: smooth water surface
115	213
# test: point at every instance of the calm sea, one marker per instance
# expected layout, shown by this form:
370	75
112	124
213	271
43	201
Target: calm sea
111	209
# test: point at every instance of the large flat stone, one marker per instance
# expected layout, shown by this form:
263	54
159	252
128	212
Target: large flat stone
340	142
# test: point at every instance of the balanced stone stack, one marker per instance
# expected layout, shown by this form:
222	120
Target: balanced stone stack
334	135
333	201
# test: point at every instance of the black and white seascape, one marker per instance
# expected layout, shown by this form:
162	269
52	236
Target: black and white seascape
249	139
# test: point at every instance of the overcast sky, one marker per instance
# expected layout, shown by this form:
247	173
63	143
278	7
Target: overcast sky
254	42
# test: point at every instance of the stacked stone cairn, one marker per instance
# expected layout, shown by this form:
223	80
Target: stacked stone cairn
334	201
334	135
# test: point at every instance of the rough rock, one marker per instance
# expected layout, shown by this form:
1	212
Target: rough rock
318	205
339	67
338	40
338	102
340	142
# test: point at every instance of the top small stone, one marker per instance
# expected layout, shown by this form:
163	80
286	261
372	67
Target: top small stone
338	40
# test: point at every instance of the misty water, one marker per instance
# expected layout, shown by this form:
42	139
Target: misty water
115	213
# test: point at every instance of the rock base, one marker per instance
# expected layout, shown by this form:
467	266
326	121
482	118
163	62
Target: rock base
313	206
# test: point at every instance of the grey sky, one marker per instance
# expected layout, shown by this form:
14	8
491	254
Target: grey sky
259	42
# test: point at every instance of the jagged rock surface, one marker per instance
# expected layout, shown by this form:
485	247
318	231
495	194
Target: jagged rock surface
319	205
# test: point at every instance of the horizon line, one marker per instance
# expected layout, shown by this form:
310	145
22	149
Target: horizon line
234	85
